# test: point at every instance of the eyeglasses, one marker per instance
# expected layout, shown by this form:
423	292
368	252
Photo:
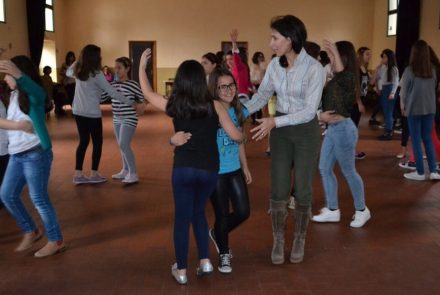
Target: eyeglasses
225	88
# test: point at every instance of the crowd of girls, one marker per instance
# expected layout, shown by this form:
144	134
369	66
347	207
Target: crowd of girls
209	104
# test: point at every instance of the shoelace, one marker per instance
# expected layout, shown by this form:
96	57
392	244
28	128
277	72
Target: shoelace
225	259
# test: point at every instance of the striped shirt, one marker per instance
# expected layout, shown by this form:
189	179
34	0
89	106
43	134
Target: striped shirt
123	113
298	89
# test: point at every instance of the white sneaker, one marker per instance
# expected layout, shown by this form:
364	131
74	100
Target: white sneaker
327	215
360	218
434	176
414	176
120	175
131	178
291	203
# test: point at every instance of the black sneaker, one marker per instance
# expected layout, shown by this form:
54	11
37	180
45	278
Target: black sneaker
212	236
373	122
224	265
360	156
408	165
386	136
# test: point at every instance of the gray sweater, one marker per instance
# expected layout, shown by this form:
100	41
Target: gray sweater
3	133
418	94
88	93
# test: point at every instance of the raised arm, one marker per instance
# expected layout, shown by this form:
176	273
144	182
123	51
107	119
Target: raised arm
227	124
155	99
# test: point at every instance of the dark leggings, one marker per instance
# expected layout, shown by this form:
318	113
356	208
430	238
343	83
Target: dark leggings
356	115
3	165
89	127
231	187
405	132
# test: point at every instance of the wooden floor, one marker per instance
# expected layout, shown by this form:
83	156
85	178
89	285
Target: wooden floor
120	238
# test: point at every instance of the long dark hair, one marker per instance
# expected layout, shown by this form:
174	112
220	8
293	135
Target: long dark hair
435	61
69	56
360	53
420	60
89	62
256	57
126	62
391	63
212	58
213	91
25	65
190	98
350	61
324	59
293	28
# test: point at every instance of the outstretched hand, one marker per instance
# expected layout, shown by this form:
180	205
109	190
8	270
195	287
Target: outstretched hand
266	125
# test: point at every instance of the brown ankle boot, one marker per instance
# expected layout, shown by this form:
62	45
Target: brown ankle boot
278	213
28	240
51	248
302	217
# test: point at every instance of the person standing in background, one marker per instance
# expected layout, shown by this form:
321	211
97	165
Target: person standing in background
68	82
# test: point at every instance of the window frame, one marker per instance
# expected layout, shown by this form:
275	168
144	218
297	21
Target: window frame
3	2
391	12
51	7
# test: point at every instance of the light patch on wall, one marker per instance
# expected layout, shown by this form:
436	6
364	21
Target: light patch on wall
2	11
48	58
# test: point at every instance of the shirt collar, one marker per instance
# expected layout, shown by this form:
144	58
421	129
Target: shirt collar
299	59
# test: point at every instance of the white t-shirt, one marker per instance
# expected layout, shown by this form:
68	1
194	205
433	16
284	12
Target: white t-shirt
3	133
19	141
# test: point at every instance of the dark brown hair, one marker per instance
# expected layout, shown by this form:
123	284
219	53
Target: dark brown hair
25	65
89	62
350	61
213	91
190	98
391	63
293	28
420	60
126	62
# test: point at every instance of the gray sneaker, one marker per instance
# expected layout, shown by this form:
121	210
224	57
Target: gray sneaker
80	180
97	179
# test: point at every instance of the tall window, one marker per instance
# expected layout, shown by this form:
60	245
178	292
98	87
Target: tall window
49	15
392	17
2	11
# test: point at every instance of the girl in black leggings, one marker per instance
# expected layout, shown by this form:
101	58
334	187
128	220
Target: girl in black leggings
233	173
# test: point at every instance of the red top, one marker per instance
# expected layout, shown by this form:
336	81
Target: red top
240	71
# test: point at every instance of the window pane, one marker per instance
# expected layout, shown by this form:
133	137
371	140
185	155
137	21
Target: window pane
2	10
49	2
49	19
392	24
393	4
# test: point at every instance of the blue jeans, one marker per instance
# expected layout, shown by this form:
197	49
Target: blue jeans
340	145
420	129
192	189
387	106
31	168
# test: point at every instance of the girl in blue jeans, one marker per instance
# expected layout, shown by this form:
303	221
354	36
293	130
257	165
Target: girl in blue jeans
387	83
418	93
30	156
339	144
196	118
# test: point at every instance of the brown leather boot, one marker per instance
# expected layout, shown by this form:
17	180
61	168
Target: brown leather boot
302	217
28	240
278	213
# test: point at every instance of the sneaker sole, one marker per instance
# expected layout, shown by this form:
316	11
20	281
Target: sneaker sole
97	181
415	179
224	272
359	226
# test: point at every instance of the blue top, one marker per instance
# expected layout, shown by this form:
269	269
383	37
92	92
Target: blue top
228	149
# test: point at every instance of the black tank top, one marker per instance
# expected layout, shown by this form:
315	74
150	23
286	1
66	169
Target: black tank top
201	150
